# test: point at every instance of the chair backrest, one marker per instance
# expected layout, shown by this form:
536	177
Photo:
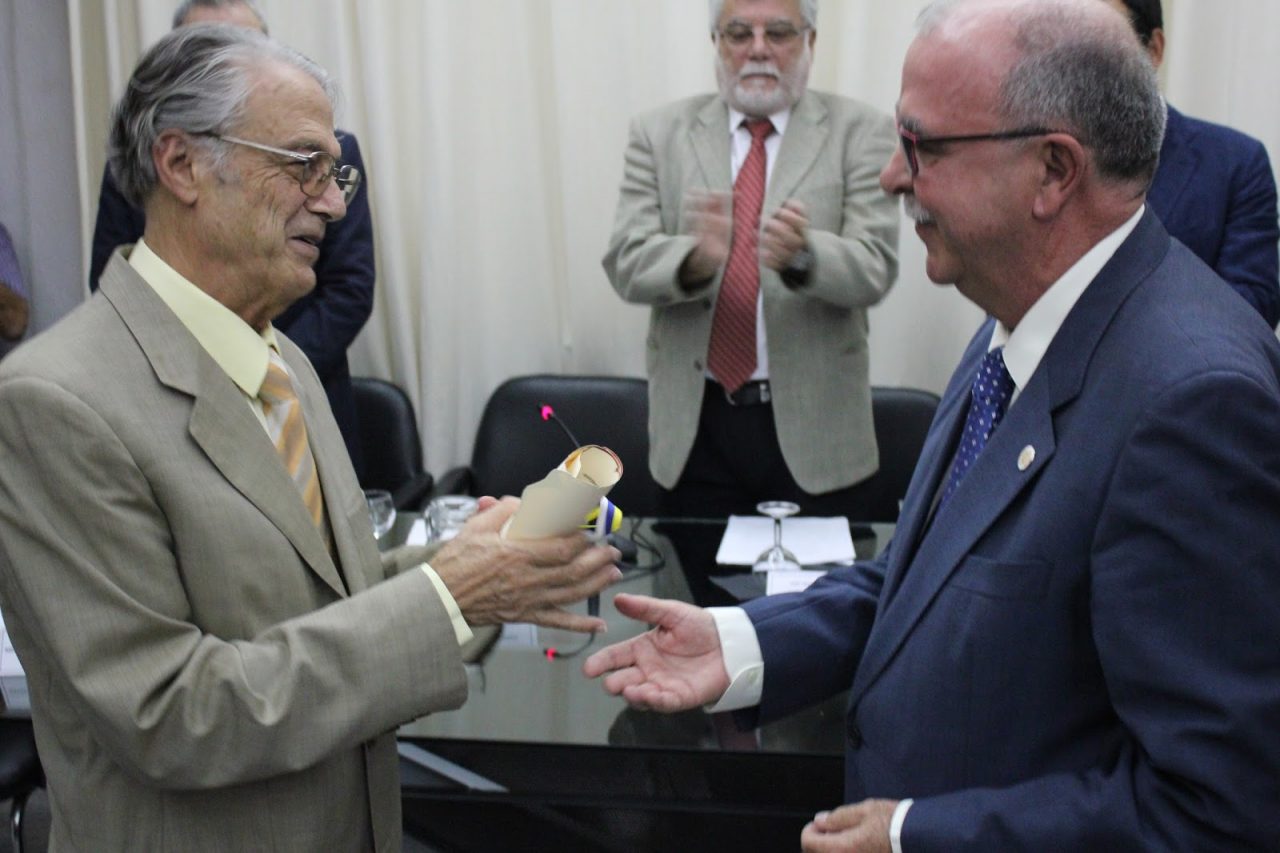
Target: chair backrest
515	446
902	418
388	434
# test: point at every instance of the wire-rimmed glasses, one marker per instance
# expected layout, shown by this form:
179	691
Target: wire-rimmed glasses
318	168
778	34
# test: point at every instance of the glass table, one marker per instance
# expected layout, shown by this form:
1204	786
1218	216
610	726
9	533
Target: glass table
540	757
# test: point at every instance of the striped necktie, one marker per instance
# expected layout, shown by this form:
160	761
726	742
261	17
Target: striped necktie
731	352
283	413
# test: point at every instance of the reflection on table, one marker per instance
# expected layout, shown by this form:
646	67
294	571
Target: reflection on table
536	692
568	763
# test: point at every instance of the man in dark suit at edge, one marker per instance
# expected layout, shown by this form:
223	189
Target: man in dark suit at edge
1214	189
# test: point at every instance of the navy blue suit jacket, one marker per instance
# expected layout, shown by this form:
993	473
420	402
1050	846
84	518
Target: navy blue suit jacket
1215	192
1082	652
324	322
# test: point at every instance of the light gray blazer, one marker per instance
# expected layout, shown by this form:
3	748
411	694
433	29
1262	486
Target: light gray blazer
200	678
830	159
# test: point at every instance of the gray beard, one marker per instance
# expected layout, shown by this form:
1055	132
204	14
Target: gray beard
758	104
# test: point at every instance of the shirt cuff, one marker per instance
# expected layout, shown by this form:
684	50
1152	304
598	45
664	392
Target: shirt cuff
742	659
461	630
895	825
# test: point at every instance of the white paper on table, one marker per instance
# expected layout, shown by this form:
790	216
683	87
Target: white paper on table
9	663
559	502
13	679
790	580
417	533
813	540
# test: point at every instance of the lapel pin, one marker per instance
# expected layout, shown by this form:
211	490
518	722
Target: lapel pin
1026	457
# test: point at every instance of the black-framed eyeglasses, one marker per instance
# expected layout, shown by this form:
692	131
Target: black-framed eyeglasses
318	168
911	141
778	34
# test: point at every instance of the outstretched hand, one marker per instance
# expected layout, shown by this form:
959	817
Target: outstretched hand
675	665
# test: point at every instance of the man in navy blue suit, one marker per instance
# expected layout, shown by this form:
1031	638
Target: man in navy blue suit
325	321
1071	642
1214	189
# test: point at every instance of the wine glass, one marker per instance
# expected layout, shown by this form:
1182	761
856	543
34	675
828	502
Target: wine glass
382	511
446	514
776	557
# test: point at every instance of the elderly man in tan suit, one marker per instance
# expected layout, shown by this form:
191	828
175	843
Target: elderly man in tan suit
217	655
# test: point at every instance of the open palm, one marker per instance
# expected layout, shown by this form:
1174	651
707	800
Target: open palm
675	665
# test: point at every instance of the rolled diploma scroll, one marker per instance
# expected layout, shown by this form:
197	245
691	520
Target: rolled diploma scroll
558	503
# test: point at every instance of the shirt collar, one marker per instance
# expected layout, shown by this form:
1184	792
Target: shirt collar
1025	346
779	119
231	342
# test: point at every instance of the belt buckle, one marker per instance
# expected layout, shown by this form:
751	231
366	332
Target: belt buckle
762	393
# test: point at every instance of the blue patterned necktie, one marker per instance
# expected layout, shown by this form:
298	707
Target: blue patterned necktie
992	390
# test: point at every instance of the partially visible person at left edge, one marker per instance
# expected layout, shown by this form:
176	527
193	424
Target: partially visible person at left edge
14	311
1214	189
325	321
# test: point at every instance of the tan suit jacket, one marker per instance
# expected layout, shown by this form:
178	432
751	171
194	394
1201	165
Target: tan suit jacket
200	677
830	159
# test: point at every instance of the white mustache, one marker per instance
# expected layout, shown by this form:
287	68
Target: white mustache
915	211
754	69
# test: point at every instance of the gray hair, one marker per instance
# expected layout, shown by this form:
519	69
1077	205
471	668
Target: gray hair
1080	74
808	11
195	79
185	8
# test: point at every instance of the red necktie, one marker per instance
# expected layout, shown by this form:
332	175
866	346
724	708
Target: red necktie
731	354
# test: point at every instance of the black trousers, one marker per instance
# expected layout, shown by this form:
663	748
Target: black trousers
736	463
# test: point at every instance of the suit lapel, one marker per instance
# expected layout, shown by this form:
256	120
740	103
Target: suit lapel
709	137
221	423
806	134
1002	471
935	457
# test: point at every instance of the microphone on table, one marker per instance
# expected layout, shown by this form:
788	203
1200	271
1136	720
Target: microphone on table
549	414
606	520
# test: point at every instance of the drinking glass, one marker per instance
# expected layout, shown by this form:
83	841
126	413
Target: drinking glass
446	514
776	557
382	511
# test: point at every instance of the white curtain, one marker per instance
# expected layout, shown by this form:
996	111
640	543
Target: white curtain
493	133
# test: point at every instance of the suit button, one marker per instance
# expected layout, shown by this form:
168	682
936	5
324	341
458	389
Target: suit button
706	305
855	735
697	365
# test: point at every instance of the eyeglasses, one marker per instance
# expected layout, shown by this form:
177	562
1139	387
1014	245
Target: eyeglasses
911	141
318	168
781	34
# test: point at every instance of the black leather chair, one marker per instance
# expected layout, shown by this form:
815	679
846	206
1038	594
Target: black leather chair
20	772
515	446
902	417
389	442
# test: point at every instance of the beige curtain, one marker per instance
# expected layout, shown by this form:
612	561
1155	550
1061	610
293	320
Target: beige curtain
493	132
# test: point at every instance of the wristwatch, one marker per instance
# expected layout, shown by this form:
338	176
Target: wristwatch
798	268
